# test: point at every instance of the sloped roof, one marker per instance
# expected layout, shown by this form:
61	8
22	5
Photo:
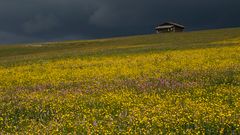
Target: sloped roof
172	23
164	27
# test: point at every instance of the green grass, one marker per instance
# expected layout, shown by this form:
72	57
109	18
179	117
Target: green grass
115	46
176	83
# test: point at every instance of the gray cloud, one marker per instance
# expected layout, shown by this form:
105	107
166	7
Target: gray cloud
47	20
6	38
40	23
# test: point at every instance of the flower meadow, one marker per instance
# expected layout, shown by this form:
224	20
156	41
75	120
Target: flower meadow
137	90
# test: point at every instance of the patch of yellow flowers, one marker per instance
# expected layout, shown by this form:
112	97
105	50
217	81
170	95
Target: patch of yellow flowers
171	92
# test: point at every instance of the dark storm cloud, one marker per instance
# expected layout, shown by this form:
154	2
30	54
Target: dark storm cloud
46	20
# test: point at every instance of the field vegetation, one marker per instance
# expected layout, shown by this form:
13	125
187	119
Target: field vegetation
178	83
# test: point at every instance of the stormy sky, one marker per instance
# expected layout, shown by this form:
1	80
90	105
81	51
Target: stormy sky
23	21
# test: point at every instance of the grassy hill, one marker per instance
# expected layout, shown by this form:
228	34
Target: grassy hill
183	83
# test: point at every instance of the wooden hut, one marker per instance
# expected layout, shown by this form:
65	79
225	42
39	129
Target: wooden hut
169	27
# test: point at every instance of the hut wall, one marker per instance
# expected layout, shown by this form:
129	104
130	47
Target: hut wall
177	29
164	30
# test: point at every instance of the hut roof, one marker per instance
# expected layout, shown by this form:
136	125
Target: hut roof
172	23
164	27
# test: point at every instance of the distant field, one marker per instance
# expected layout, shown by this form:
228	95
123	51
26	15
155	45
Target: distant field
178	83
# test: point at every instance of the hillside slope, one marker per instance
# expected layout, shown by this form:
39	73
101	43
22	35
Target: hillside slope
179	83
117	46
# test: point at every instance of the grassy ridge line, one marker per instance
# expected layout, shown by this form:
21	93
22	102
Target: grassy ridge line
189	37
12	55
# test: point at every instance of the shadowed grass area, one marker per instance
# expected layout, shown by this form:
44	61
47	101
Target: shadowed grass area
117	46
